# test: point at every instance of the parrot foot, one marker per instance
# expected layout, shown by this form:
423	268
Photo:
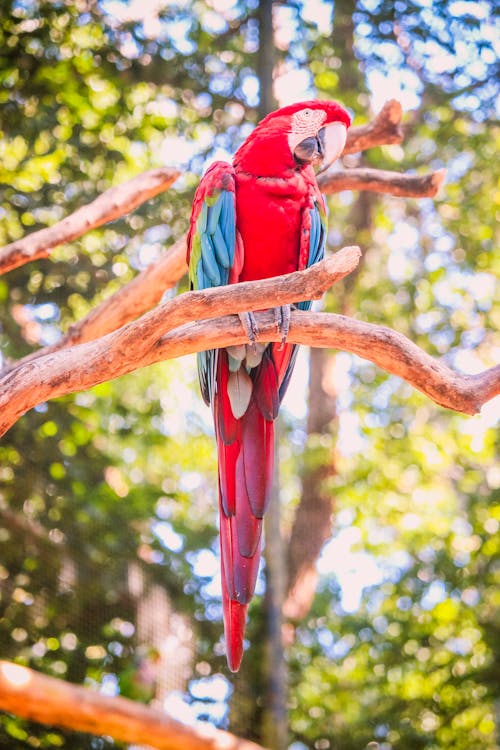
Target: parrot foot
250	326
282	317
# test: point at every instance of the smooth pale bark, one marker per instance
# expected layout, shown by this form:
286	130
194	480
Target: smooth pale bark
36	697
164	334
382	181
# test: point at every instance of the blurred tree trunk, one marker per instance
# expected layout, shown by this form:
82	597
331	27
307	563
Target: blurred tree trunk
275	734
312	525
266	58
274	726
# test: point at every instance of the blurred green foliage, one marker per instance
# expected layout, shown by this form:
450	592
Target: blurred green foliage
125	474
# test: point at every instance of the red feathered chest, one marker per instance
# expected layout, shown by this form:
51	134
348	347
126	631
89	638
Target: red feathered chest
273	221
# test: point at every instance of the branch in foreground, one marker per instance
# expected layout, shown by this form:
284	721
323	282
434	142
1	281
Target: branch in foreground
36	697
383	181
138	345
388	349
147	288
82	366
112	204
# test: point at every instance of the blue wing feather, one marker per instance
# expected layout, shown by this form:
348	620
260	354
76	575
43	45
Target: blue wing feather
317	242
221	249
213	243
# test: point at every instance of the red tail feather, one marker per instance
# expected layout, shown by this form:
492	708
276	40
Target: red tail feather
235	616
246	453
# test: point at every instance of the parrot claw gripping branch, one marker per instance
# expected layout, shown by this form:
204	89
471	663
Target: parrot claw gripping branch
261	216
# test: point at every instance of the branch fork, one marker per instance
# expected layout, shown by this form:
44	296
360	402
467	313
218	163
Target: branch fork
168	331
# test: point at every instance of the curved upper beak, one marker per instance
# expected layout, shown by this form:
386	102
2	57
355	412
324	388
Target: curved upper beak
332	138
324	148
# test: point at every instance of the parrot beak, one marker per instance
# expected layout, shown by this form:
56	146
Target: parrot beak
332	139
309	151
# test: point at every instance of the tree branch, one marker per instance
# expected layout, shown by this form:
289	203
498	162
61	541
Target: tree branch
164	333
128	348
36	697
128	303
383	130
382	181
113	203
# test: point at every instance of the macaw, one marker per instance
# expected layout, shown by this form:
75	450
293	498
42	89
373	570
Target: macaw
261	216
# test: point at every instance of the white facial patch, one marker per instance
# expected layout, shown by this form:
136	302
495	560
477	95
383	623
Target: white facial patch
305	123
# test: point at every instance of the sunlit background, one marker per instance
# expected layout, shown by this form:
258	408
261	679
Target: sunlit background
400	645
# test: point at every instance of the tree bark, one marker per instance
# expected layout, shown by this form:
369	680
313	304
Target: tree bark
157	338
276	719
382	181
36	697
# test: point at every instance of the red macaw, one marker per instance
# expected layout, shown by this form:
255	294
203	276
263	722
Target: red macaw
261	216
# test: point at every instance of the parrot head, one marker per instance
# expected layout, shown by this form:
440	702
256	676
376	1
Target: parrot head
299	135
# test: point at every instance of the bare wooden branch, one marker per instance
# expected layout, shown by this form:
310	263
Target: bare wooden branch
383	130
128	303
397	355
164	334
36	697
133	299
383	181
113	203
133	345
388	349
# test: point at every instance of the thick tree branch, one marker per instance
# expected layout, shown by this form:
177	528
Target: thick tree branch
163	334
112	204
129	347
388	349
34	696
139	295
128	303
382	181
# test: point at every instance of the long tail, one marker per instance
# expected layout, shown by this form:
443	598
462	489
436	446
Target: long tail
246	404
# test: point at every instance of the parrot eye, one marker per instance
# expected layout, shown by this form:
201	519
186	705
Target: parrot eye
307	112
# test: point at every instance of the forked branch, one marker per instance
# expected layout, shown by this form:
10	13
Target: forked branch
168	332
383	130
